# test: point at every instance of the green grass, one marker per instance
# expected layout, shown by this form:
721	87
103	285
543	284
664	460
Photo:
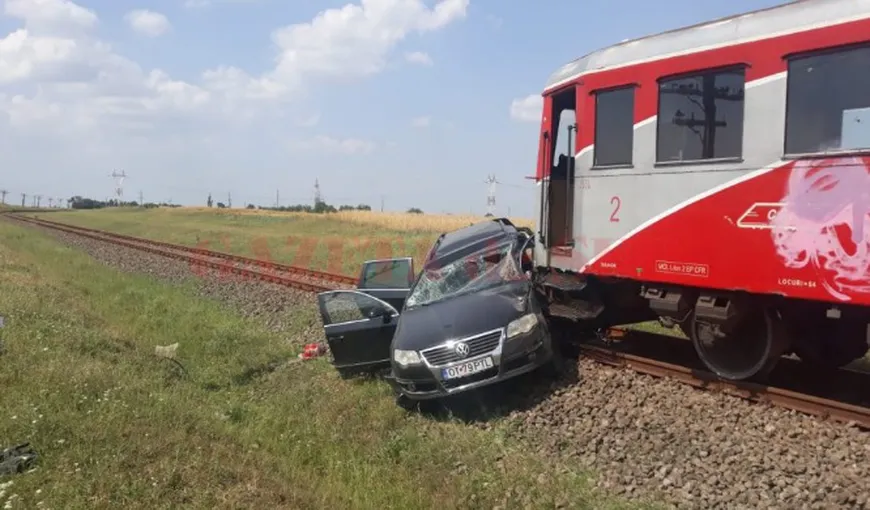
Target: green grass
303	239
118	427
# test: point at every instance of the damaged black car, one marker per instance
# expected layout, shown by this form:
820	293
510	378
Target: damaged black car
471	318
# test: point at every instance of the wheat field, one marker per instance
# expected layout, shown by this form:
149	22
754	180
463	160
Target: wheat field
395	221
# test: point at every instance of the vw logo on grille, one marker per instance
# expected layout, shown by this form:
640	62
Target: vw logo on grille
462	349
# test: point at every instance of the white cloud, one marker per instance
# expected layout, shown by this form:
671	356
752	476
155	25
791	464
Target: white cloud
527	109
60	79
355	40
421	122
418	57
147	22
329	144
51	15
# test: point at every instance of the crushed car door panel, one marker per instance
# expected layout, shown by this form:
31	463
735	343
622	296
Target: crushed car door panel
358	327
388	279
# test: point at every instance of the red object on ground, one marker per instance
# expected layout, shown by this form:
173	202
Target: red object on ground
312	351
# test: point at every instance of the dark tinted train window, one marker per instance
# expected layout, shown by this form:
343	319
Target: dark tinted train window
614	126
701	116
828	102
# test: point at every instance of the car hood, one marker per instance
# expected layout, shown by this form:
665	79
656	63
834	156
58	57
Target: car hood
462	316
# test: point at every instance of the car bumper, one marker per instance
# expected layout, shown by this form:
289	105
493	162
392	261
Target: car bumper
513	357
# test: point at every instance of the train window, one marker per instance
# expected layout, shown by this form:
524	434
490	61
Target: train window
614	126
828	106
701	116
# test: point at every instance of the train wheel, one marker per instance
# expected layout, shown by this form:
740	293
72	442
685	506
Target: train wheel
832	345
750	350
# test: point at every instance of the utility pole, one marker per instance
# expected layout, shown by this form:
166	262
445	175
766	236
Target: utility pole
490	198
141	200
119	184
3	192
229	200
277	200
317	198
50	200
38	200
23	196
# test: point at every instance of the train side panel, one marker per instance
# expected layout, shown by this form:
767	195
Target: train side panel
726	224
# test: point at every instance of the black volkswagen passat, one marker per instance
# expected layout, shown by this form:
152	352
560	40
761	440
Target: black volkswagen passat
471	318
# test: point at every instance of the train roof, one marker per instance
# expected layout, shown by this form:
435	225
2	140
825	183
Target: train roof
782	19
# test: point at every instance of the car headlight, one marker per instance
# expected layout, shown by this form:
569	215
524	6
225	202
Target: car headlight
406	358
522	325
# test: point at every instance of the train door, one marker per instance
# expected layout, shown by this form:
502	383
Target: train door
559	165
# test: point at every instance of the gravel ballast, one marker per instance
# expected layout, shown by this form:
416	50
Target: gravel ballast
644	436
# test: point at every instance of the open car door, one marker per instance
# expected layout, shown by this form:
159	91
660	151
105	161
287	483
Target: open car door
388	279
359	329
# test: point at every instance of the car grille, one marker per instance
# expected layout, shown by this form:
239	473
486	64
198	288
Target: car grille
478	345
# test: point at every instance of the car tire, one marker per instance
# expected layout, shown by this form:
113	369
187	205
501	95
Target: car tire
555	367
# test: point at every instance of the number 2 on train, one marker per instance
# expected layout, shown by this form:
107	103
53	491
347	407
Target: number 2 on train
616	203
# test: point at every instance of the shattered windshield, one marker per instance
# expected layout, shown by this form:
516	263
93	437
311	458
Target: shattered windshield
483	269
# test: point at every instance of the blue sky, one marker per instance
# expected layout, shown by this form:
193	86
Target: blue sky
409	101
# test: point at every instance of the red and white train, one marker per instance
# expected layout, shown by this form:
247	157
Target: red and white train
717	177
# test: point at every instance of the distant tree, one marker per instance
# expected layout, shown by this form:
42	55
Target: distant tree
209	202
363	207
250	206
221	205
414	210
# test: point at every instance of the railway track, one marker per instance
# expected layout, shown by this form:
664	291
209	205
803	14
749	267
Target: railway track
839	395
281	274
822	398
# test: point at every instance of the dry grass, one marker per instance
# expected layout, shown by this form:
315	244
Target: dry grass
385	220
337	242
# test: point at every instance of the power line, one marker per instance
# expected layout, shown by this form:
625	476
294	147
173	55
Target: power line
3	193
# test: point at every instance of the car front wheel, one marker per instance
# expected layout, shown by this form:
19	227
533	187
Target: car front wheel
555	367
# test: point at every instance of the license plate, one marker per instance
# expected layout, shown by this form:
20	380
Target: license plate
465	369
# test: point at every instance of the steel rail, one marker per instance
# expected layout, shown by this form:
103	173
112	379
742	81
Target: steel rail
194	257
310	273
809	404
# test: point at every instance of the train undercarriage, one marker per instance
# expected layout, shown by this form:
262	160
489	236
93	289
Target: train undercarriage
737	336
